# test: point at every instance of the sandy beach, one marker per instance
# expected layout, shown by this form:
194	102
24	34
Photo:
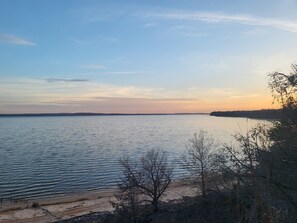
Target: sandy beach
68	206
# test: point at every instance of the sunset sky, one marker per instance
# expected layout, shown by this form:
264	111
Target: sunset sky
142	56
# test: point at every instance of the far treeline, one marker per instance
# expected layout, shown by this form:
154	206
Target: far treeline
269	114
251	181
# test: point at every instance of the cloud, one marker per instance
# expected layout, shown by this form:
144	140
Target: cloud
115	73
126	72
64	80
287	25
109	39
93	66
94	40
63	95
188	31
252	67
15	40
93	14
126	105
148	25
255	32
245	96
78	41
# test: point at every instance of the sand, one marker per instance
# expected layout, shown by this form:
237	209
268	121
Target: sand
68	206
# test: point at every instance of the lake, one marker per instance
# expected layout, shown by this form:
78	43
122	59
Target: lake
45	156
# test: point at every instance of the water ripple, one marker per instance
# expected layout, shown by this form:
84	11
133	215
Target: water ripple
45	156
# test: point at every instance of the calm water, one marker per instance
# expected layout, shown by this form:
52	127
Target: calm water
44	156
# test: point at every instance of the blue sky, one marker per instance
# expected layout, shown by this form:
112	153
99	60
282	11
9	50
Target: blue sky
142	56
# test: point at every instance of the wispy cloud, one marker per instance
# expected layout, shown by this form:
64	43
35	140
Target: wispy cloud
245	96
126	72
116	73
54	95
78	41
93	14
64	80
288	25
15	40
94	40
148	25
93	66
188	31
255	32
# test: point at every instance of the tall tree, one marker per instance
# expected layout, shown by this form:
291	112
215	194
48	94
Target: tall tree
200	158
283	134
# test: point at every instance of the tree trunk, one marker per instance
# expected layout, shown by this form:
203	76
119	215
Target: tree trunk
155	205
203	186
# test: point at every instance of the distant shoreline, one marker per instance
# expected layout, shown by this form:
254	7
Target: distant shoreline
94	114
269	114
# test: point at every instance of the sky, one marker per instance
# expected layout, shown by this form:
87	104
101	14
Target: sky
133	56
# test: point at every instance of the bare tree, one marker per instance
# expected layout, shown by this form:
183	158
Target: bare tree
200	157
148	178
156	175
284	87
128	197
244	159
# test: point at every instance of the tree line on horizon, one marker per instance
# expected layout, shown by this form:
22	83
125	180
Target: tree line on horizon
270	114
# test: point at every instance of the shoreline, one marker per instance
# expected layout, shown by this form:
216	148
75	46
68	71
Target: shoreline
62	207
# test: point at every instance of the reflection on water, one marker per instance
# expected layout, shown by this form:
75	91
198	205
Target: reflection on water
43	156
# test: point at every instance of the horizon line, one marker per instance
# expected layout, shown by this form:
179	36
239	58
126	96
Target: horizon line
98	114
112	113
